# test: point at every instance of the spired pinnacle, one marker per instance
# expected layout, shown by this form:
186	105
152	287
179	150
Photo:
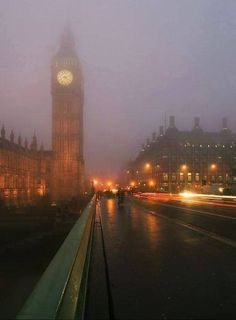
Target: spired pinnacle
67	41
26	143
12	137
34	144
19	140
42	147
3	132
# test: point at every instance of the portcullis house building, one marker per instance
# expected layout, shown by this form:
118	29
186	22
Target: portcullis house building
176	160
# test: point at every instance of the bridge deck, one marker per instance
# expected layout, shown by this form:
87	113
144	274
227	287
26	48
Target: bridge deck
153	268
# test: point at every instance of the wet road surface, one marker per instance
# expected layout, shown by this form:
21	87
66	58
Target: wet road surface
147	267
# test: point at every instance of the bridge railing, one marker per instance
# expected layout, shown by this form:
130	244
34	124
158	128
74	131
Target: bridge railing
60	293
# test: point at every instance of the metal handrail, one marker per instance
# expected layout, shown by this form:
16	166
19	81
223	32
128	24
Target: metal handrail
56	295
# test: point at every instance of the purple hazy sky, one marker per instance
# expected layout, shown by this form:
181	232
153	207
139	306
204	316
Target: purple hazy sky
140	59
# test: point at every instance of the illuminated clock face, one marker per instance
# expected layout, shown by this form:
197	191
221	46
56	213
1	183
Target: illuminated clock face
65	77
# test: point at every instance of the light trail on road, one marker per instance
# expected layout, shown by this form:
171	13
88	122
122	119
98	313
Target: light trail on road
213	220
190	198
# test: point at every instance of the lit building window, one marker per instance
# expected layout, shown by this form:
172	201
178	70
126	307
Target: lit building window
197	177
165	176
173	177
189	176
181	176
1	182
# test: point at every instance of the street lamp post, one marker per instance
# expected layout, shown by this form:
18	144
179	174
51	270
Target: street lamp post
148	171
213	168
158	176
184	169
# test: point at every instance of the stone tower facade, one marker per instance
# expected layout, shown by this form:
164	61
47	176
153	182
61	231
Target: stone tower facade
67	121
28	173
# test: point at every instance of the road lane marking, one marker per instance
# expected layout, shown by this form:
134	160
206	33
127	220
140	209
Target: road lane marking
204	232
196	229
193	210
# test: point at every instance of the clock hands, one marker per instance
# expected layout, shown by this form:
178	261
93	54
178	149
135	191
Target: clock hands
65	77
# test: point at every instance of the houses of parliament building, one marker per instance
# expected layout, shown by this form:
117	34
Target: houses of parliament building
28	172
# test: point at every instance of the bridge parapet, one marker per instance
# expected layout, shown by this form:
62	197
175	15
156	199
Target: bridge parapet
60	293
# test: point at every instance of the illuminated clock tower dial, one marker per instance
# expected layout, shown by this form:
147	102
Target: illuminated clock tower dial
65	77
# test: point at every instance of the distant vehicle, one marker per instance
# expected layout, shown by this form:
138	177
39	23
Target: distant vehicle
218	189
109	194
120	197
53	204
212	189
228	192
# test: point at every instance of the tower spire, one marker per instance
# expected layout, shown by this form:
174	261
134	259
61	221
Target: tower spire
67	41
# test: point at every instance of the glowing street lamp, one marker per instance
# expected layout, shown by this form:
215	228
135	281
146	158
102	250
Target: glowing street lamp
151	183
109	184
132	184
213	166
147	166
184	168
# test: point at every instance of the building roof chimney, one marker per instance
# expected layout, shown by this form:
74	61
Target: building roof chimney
171	122
196	128
154	136
225	124
196	122
161	131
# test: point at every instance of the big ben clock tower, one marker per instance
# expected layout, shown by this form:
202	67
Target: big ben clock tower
67	121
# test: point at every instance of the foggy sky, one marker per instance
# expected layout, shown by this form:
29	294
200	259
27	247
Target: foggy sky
140	59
